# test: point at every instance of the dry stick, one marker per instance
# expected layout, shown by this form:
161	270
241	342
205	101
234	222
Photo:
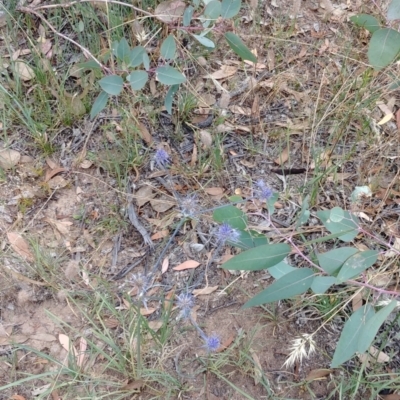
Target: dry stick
67	5
28	10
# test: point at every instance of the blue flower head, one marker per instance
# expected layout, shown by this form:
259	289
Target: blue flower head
227	233
189	206
263	192
212	343
161	158
185	302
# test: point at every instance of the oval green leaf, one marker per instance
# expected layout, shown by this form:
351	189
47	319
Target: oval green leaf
249	239
291	284
337	214
384	47
366	21
393	12
347	345
206	42
169	98
99	104
212	10
357	264
136	56
230	8
322	283
168	48
258	258
278	270
187	15
112	84
122	50
239	47
137	79
332	260
346	229
372	326
169	75
231	215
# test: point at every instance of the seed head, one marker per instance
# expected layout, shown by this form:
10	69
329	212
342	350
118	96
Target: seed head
227	233
161	158
189	206
185	302
298	349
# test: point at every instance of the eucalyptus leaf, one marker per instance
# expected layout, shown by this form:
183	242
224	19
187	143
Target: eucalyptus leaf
372	326
291	284
322	283
138	79
230	8
239	47
204	41
332	260
112	84
231	215
187	15
146	61
304	213
136	56
337	214
123	50
99	104
384	47
393	12
366	21
258	258
169	98
347	227
169	75
278	270
212	10
356	264
347	345
249	239
168	48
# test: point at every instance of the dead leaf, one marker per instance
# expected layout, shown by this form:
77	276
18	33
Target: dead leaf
155	325
206	138
224	100
160	235
284	156
165	265
58	182
225	72
189	264
380	356
66	343
357	301
76	106
206	100
240	110
9	158
45	337
24	71
53	172
214	191
161	204
170	11
257	367
61	225
226	343
17	397
317	374
144	133
111	323
392	396
147	311
20	245
205	290
13	339
85	164
143	195
134	386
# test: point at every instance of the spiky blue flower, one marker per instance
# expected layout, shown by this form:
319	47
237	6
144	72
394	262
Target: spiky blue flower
189	206
212	343
185	302
161	158
263	192
226	233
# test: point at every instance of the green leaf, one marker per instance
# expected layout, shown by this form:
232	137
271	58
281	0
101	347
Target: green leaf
239	47
213	9
258	258
271	203
137	79
291	284
230	8
347	227
393	12
169	98
123	50
278	270
249	240
231	215
366	21
146	61
372	326
169	75
168	48
337	214
204	41
347	345
304	213
187	15
384	47
356	264
332	260
112	84
322	283
99	104
136	56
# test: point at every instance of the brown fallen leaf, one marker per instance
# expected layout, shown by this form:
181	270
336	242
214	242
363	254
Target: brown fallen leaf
257	367
155	325
225	72
17	397
317	374
9	158
205	290
226	343
357	301
13	339
134	386
165	265
170	11
53	172
58	182
24	71
206	138
45	337
143	195
392	396
144	133
20	245
283	157
214	191
160	235
189	264
66	343
147	311
60	225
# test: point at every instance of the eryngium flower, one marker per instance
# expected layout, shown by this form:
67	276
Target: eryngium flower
185	302
189	206
161	158
226	233
263	192
212	343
